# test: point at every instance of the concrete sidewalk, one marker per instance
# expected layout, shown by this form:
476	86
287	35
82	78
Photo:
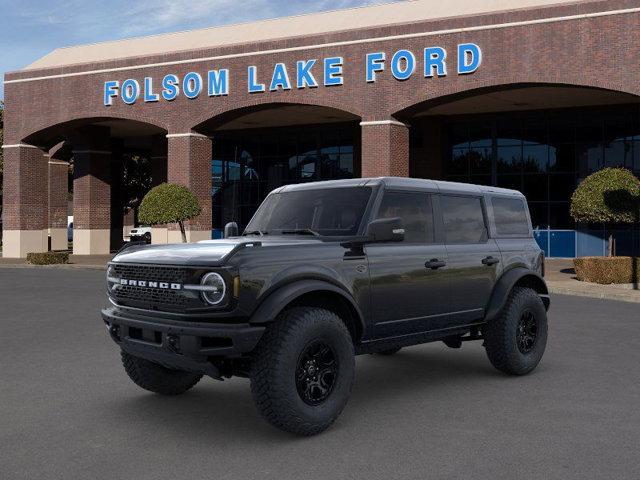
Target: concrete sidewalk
561	278
92	262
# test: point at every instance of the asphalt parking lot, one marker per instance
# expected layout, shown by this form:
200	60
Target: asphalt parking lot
67	409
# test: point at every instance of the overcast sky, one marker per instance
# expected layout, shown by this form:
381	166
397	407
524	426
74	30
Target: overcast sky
30	29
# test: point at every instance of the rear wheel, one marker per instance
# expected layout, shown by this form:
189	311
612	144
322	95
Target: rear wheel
516	340
156	378
303	370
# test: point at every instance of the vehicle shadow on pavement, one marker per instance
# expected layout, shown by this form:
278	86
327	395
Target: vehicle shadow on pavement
214	409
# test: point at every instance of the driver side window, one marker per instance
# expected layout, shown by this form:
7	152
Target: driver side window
415	211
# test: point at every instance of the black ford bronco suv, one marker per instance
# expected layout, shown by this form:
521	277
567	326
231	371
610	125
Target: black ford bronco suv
325	271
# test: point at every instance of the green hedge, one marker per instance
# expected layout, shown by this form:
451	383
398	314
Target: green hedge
611	195
48	258
607	270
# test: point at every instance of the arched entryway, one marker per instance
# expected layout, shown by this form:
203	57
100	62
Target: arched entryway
537	138
110	162
259	148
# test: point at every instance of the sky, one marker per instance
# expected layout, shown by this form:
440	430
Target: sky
29	29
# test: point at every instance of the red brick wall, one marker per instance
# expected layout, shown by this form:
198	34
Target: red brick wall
385	150
58	191
26	184
189	164
599	52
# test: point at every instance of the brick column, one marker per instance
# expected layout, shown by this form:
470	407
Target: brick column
159	233
158	160
92	192
189	164
117	207
25	210
58	191
385	149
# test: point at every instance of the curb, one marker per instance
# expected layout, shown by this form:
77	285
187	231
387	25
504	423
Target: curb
621	297
67	266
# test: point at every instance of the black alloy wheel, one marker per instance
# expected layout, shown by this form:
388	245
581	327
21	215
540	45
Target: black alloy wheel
316	373
527	333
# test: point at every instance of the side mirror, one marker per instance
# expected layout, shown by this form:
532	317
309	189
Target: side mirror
385	230
231	230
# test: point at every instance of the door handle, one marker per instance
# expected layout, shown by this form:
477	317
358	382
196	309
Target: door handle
435	264
489	261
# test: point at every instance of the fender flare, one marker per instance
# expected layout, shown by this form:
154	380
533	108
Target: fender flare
505	284
273	304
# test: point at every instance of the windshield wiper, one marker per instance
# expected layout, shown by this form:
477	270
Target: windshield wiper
300	231
255	232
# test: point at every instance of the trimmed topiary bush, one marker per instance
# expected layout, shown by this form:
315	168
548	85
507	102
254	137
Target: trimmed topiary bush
609	196
607	270
169	203
48	258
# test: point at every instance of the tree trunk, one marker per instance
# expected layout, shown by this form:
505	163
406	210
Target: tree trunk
184	235
610	253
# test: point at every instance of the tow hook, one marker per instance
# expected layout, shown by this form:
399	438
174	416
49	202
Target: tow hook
173	343
114	331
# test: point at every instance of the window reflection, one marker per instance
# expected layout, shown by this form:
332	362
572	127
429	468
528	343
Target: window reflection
249	164
543	154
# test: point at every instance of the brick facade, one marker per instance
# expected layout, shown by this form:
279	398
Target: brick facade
385	149
589	44
189	164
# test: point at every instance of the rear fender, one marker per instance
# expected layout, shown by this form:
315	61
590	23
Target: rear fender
511	278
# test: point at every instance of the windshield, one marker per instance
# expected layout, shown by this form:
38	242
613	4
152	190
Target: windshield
334	212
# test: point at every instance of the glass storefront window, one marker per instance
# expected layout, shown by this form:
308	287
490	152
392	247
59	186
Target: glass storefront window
250	163
535	158
544	154
510	159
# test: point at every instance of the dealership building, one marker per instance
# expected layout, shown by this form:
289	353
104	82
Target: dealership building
527	94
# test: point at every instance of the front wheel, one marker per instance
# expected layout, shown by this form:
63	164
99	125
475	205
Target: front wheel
303	370
516	340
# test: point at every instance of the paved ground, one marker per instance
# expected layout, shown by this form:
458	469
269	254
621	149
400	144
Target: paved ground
68	411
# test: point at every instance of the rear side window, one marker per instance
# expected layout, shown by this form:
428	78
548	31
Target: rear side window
510	216
463	219
415	211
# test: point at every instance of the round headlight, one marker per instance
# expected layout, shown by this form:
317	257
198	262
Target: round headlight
112	281
214	288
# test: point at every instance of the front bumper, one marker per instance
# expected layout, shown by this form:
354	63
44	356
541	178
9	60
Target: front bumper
182	345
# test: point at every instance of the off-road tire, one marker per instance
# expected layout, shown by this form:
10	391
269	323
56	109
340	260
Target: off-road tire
156	378
501	333
389	351
275	365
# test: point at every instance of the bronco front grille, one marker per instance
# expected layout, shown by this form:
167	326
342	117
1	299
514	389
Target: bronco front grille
166	299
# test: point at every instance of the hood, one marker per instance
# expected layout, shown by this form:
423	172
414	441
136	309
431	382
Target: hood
207	252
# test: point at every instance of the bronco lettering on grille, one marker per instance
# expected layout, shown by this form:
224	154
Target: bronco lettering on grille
150	284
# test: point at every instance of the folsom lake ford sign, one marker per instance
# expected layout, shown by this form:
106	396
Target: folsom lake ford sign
309	73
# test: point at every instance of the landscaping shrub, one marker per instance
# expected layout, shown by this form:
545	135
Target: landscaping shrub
607	270
609	196
169	203
48	258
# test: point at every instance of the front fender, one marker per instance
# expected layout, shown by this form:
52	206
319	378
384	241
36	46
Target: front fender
277	300
505	284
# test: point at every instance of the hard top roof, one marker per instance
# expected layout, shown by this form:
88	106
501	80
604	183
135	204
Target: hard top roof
402	182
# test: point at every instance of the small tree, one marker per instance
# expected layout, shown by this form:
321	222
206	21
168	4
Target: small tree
169	203
611	195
